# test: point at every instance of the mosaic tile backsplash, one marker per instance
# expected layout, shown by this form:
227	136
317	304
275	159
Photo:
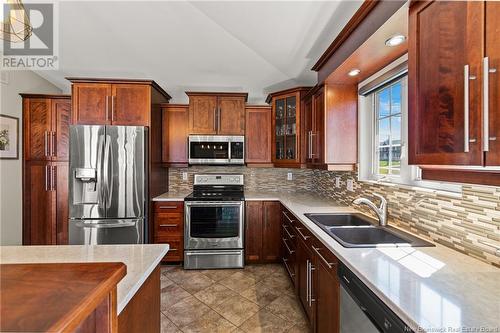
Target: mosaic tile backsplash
468	222
256	179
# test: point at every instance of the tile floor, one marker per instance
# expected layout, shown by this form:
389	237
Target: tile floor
258	298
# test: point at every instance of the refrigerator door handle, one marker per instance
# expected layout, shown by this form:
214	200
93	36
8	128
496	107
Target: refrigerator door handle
107	150
100	188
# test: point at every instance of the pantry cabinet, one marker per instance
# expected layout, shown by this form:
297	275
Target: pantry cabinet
217	113
46	120
262	231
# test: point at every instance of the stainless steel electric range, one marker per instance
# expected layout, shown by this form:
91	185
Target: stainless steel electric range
214	222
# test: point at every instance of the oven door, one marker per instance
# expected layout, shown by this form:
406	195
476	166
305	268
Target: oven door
213	225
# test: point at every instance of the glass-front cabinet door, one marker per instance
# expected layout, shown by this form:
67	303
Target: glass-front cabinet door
285	130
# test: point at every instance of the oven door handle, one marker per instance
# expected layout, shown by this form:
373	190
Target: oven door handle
236	253
213	203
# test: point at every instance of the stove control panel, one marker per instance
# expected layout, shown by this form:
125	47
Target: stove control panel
218	179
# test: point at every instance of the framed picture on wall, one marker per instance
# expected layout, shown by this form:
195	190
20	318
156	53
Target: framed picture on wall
9	137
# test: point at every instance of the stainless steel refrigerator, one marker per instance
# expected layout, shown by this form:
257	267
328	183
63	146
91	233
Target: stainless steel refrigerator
107	185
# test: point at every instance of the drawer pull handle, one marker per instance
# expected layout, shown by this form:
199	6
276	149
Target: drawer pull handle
172	250
288	232
288	218
169	225
168	207
301	234
288	248
285	261
329	264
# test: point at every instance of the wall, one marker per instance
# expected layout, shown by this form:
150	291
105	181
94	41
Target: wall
464	222
11	170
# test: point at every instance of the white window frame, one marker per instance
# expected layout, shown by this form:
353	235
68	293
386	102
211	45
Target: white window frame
375	140
410	175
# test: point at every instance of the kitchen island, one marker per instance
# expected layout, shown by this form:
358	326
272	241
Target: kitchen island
137	294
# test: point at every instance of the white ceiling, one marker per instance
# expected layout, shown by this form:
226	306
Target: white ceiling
255	46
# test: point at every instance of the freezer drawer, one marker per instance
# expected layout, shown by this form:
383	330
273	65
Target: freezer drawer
94	232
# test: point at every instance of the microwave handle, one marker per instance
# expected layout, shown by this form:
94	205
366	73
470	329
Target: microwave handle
229	150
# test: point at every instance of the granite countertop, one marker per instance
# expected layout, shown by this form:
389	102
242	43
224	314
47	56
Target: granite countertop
140	260
172	196
433	288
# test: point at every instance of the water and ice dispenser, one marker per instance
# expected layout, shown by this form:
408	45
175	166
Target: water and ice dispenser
85	186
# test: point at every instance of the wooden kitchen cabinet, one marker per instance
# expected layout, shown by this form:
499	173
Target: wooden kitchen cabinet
253	231
326	290
313	270
492	51
217	113
39	226
175	120
231	116
203	114
130	104
46	120
262	231
258	135
115	101
445	56
271	245
453	90
314	128
169	228
287	130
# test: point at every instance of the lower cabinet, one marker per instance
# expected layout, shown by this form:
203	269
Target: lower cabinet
169	228
313	270
262	231
45	217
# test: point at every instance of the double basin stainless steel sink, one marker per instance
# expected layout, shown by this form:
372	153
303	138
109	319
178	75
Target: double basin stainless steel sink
358	230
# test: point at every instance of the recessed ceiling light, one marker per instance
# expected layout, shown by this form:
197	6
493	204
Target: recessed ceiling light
395	40
354	72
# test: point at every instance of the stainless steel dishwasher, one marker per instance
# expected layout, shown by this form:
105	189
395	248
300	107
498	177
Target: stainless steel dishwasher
361	310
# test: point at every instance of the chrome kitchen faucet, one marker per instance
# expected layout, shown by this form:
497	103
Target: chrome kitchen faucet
381	211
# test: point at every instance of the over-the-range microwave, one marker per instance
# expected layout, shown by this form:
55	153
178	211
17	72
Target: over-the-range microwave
216	149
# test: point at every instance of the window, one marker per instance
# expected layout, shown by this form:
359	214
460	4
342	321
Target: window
383	132
387	110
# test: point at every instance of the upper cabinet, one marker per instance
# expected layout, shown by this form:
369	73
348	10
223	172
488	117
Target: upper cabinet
315	128
453	83
217	113
258	135
492	72
46	127
175	134
115	102
287	108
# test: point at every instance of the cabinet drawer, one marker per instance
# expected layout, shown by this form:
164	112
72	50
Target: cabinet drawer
288	218
324	255
169	206
289	247
169	224
176	251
